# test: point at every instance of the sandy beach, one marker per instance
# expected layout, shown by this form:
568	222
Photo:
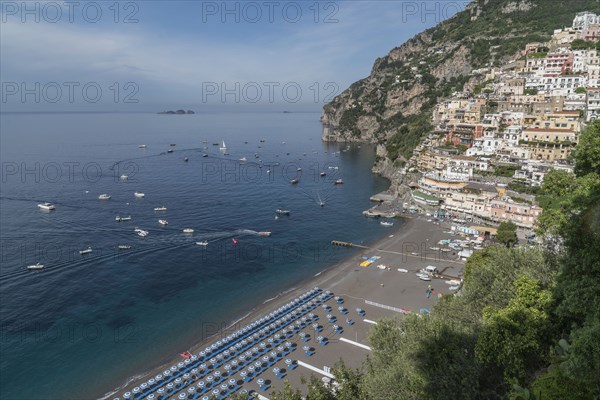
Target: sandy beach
379	292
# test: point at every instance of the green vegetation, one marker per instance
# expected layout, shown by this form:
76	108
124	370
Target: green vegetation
506	171
507	234
580	44
530	91
407	137
580	90
526	324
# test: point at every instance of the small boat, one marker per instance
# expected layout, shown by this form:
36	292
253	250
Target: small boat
141	232
161	208
35	267
86	251
402	270
282	212
384	223
262	140
322	203
170	150
142	146
299	169
294	181
223	147
186	159
322	173
104	197
264	233
332	167
243	159
172	144
425	278
203	243
139	195
234	241
188	230
124	177
124	247
256	155
163	222
339	182
46	206
204	155
119	219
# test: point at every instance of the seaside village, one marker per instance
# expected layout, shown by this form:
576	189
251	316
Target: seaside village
493	145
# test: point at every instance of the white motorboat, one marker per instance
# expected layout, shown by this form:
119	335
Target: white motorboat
170	150
203	243
35	267
139	195
142	146
282	212
119	219
46	206
163	222
385	223
188	230
141	232
402	270
294	181
161	208
124	177
243	159
86	251
124	247
425	278
104	196
264	233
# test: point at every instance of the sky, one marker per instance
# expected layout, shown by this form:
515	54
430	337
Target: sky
159	55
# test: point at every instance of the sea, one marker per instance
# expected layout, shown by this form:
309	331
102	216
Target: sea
87	324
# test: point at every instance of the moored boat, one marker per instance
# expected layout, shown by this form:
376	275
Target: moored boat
161	208
339	182
188	230
35	267
139	195
322	173
104	196
124	247
281	211
203	243
124	177
384	223
86	251
294	181
46	206
141	232
119	219
163	222
142	146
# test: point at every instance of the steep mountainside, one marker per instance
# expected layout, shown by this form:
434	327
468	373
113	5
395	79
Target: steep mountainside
392	106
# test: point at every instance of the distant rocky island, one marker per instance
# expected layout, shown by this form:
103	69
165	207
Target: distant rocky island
178	112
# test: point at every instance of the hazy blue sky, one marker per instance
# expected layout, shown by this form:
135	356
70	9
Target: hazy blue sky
188	54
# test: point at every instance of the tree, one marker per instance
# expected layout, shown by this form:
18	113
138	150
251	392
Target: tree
507	233
512	337
580	90
587	152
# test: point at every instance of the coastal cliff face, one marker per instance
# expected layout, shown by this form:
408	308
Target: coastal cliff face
392	106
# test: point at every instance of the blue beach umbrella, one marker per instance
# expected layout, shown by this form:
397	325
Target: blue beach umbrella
200	385
181	396
127	395
135	390
160	390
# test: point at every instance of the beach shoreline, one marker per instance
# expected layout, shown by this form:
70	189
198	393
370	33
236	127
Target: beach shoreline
413	234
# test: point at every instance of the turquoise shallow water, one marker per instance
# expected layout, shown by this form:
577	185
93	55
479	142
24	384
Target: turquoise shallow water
88	323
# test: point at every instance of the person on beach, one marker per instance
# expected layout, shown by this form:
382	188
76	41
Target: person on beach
428	291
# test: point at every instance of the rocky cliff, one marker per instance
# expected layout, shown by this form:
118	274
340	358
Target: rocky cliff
392	106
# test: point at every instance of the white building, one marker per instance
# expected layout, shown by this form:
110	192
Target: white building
584	20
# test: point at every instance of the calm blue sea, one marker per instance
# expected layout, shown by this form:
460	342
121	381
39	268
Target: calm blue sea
88	323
